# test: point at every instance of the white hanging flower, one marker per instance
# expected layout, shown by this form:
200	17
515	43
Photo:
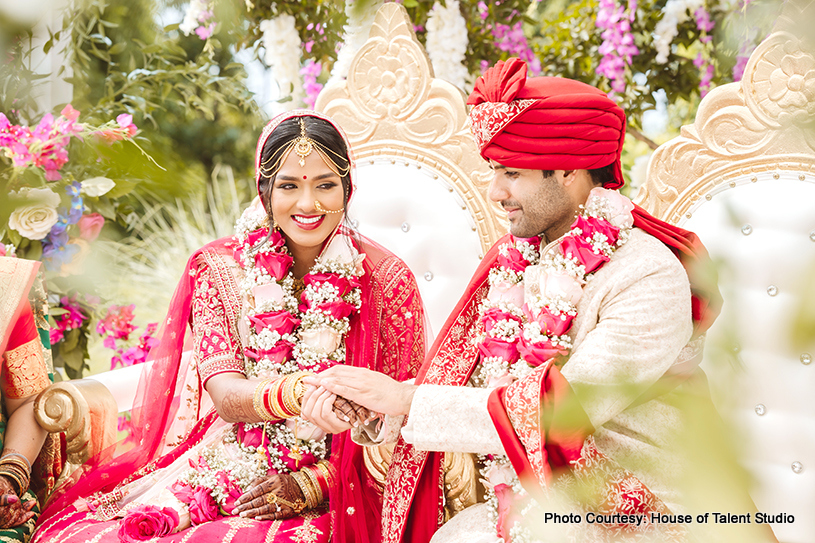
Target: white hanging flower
447	42
282	44
355	33
674	13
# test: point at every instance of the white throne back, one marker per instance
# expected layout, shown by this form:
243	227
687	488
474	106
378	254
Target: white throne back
743	178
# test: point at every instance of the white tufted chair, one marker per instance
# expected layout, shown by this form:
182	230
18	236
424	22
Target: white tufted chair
743	178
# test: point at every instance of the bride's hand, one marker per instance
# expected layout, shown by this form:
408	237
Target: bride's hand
276	497
351	412
318	408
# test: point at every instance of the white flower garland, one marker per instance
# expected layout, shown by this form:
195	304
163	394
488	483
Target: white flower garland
447	42
282	44
674	13
360	17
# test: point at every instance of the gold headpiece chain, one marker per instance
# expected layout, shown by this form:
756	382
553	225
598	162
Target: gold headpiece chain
303	146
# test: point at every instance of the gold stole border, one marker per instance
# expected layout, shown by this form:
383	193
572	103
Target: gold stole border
16	278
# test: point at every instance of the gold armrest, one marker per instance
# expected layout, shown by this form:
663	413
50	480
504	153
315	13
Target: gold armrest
84	410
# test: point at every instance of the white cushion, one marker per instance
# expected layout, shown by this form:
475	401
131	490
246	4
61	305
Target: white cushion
763	233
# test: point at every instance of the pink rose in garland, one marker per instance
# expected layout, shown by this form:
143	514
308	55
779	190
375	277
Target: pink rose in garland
147	522
249	437
507	292
182	490
281	322
551	324
493	316
512	259
619	207
339	309
342	284
277	354
560	285
577	247
90	226
277	264
492	347
536	354
232	491
203	507
592	225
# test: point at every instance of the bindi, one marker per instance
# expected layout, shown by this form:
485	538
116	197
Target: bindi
305	177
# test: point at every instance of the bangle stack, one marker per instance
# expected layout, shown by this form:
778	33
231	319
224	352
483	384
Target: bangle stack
283	398
257	401
315	482
17	469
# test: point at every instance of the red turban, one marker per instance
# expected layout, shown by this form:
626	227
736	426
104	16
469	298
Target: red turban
545	123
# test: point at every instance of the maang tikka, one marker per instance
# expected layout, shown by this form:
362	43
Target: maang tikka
303	146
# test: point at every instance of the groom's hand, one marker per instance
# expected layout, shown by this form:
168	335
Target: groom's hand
371	389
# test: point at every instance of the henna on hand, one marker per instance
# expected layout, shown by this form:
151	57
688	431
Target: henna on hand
13	511
261	498
349	411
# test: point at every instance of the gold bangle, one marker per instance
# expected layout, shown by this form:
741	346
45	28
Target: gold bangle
325	468
257	401
275	394
15	481
315	484
305	486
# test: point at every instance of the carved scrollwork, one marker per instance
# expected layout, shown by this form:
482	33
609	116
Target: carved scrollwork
754	125
391	105
62	408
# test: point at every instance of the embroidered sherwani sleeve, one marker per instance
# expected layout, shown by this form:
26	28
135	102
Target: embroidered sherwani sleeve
642	319
216	346
451	419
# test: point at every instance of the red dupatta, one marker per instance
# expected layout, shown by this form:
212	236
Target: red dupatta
413	499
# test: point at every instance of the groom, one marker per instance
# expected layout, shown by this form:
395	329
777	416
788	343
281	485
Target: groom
579	339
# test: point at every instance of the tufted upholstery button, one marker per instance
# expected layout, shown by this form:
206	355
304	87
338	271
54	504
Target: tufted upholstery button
405	227
772	290
746	229
797	467
732	184
760	409
754	179
802	177
806	359
428	276
708	197
776	175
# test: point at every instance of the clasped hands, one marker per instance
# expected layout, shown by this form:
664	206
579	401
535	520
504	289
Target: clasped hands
13	510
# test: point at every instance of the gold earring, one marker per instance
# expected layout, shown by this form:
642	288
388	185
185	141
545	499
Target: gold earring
321	209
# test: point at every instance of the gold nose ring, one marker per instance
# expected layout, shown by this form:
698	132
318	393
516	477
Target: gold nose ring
321	209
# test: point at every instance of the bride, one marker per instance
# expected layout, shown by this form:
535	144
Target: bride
223	453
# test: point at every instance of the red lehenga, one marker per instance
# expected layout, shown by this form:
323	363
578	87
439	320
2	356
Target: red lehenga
174	419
